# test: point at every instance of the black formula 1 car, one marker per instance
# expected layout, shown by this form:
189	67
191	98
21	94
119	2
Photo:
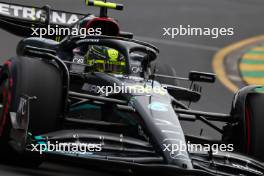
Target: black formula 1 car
100	100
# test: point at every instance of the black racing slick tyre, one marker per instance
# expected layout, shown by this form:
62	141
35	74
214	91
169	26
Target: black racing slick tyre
165	69
31	77
248	110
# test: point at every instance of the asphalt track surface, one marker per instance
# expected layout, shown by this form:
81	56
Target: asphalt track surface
146	20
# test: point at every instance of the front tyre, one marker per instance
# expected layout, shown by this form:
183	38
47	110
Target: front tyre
248	111
32	77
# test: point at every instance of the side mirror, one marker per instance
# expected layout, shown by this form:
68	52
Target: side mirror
183	94
202	77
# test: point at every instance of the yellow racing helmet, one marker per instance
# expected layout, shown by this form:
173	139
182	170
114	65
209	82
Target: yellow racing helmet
105	59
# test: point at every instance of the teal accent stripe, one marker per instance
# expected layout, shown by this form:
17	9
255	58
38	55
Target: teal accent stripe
257	74
38	138
85	106
247	61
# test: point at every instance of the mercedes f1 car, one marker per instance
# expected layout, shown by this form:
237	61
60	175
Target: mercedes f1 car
105	93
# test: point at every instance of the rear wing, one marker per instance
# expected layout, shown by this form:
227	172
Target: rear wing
18	19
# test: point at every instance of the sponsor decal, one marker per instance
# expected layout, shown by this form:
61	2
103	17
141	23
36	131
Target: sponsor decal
78	59
162	122
22	108
93	40
136	69
91	88
31	13
157	106
247	169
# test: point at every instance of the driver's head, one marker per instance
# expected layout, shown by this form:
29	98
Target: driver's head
105	59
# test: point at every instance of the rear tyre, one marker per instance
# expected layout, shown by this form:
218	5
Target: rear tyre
248	110
31	77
